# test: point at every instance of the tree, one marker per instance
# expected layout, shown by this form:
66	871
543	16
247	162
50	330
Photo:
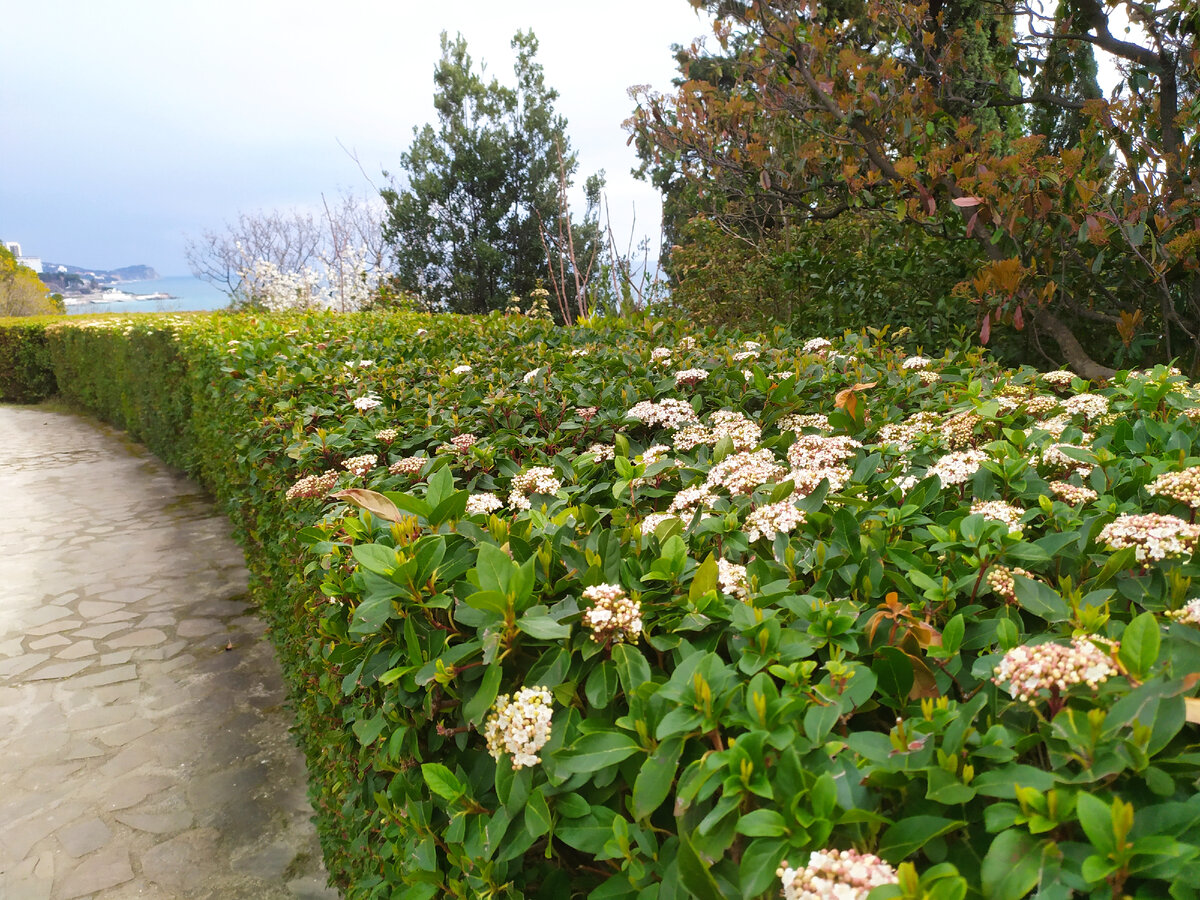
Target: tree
22	293
331	259
466	230
904	109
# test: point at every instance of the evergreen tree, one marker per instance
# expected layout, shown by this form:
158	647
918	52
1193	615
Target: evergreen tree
465	231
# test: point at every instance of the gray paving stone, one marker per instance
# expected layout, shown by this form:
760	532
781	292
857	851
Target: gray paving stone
58	671
83	837
104	870
77	650
137	757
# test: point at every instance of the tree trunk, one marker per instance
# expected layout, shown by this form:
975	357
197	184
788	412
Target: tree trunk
1077	358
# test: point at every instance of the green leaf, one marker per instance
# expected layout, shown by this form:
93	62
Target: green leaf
1095	817
367	730
1041	599
601	685
537	624
537	814
481	701
653	783
372	612
632	668
894	671
694	872
1012	867
376	558
704	579
952	634
494	568
907	836
596	750
762	823
760	861
442	781
1139	645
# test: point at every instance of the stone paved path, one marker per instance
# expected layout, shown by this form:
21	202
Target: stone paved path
144	746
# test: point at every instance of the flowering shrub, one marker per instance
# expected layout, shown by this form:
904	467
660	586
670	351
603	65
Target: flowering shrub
934	638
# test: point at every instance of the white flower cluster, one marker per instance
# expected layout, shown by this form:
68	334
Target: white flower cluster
1189	614
601	452
367	402
461	370
798	422
313	486
661	355
1090	406
1031	669
653	520
669	413
483	504
928	377
741	473
772	519
1037	404
805	481
1155	537
816	451
1072	493
903	434
916	363
690	377
611	614
690	499
463	442
732	578
345	284
1182	486
520	726
835	875
408	465
742	431
538	480
361	465
387	435
999	511
1060	378
1053	457
957	467
1000	579
816	345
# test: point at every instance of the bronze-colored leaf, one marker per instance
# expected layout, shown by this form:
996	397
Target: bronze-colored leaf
372	501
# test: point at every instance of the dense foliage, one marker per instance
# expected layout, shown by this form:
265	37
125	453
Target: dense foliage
618	611
482	212
25	372
976	120
22	292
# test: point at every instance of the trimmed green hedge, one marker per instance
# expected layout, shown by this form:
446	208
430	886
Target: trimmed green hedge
26	374
832	622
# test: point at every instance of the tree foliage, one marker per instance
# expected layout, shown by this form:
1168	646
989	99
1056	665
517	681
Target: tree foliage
333	251
483	184
22	293
979	120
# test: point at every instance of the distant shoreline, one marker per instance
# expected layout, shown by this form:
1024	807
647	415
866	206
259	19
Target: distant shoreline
112	296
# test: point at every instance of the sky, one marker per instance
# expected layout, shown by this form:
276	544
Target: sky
130	125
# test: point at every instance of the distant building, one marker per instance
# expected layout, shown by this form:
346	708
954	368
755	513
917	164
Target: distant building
33	262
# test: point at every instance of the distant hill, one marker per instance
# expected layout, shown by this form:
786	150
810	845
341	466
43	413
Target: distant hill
125	273
76	281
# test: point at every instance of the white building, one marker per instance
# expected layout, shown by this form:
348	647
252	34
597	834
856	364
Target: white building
33	262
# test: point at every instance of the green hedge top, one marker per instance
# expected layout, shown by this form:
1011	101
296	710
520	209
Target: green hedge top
616	611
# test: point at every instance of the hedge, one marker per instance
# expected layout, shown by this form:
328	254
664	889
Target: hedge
621	612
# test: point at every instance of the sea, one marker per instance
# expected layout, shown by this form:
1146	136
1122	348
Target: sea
186	293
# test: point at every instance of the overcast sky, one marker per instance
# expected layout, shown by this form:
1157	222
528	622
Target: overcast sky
129	124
